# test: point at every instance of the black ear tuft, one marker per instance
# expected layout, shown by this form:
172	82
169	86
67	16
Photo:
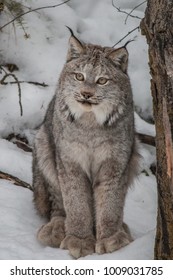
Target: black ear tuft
71	31
129	41
76	48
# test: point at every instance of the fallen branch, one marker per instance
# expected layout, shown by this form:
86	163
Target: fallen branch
18	85
16	181
21	142
147	139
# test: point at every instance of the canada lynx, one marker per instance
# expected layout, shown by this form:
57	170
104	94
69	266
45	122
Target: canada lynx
85	153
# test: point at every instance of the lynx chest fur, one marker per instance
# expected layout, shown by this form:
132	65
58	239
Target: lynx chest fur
85	154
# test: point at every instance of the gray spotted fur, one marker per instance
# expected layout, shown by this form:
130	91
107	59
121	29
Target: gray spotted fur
85	153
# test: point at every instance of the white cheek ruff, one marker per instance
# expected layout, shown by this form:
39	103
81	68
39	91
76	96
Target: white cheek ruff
102	112
75	109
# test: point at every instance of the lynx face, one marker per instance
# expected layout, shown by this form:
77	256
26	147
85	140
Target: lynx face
94	80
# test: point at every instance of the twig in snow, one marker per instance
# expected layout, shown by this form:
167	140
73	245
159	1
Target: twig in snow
25	147
16	181
18	85
20	141
27	82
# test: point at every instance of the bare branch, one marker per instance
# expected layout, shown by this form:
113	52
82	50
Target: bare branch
23	146
130	14
36	83
131	31
124	12
33	10
2	68
16	181
27	82
20	141
19	93
2	81
146	139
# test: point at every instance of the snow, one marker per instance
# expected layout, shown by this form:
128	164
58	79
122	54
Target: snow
19	223
40	58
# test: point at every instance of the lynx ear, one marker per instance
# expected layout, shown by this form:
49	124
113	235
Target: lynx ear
75	47
120	57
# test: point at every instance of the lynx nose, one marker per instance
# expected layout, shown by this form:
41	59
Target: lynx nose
86	94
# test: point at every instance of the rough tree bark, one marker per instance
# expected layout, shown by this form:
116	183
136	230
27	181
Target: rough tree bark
157	26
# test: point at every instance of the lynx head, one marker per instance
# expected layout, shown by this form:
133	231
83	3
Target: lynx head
94	80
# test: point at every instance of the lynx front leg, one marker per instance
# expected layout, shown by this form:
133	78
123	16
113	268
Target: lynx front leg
48	201
109	193
52	233
47	193
76	192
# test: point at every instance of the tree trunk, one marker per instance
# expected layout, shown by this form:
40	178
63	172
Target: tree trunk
157	26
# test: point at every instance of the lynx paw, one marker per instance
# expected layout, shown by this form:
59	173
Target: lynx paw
52	233
113	243
78	247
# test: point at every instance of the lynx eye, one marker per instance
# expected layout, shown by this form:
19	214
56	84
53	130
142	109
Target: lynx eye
79	77
102	81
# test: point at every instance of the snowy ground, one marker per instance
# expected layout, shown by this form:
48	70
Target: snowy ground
40	59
